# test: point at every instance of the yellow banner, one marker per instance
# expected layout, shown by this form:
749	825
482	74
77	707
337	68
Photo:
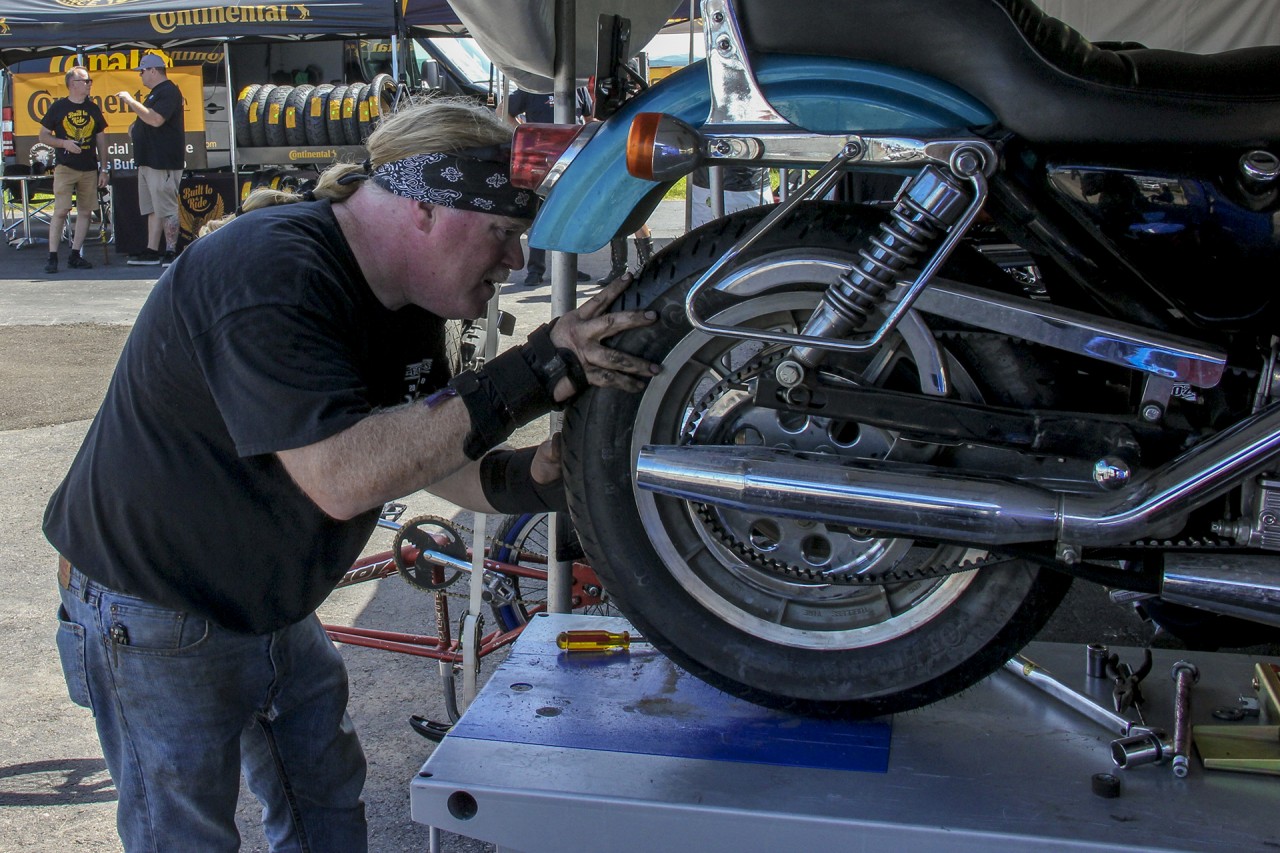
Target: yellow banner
34	93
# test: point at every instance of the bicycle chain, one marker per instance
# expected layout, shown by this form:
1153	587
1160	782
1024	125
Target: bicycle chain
491	544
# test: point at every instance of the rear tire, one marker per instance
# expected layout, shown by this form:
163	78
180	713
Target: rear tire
795	642
295	115
351	112
275	115
316	120
377	102
333	120
258	115
244	105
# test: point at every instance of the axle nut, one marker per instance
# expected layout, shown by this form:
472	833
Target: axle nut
1106	785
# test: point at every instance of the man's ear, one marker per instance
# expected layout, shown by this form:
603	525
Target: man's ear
426	217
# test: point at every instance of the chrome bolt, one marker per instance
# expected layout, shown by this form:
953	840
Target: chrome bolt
1111	473
718	17
723	44
789	374
1068	554
853	149
965	162
1268	519
1152	412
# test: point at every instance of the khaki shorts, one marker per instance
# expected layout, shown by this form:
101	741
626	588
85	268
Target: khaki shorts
66	181
158	191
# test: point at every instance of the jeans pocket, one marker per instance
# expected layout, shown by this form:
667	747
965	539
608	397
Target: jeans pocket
71	652
138	627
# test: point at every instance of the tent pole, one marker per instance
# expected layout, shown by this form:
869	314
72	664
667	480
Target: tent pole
231	113
564	273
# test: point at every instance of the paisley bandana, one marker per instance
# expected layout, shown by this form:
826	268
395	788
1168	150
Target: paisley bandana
474	179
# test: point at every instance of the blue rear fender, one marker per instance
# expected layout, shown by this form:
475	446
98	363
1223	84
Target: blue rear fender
596	195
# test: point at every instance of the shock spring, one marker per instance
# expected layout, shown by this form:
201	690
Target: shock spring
929	205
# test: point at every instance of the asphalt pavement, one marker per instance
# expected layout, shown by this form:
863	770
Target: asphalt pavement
60	335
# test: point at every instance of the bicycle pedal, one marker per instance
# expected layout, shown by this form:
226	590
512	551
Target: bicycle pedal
429	729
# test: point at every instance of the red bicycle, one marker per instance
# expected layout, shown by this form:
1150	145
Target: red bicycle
430	553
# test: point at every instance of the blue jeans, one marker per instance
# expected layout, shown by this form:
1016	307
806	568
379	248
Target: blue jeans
182	706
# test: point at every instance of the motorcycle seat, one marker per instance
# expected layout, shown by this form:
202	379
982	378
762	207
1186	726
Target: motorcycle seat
1042	79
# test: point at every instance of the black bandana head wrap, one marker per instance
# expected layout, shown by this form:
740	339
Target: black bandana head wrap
473	179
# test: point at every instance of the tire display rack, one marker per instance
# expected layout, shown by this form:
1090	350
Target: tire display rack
294	125
546	759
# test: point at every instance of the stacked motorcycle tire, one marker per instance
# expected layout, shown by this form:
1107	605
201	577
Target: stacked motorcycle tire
296	116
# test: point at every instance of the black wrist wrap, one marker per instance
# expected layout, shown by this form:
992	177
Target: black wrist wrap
513	389
509	487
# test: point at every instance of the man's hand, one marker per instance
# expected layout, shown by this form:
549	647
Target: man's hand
71	147
581	331
545	469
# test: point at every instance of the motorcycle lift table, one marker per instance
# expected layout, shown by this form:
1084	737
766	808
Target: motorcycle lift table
623	752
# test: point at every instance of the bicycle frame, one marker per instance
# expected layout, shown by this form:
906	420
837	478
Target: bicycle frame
442	646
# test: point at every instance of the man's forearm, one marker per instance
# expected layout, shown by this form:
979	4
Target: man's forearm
386	456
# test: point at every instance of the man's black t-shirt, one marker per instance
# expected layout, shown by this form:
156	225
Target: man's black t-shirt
80	123
162	147
540	109
177	495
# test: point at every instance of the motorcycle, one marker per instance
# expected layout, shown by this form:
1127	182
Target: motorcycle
888	436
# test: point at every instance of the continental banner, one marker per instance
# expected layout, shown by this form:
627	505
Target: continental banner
32	23
33	94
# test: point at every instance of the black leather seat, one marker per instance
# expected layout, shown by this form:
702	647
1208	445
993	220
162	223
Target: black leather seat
1041	78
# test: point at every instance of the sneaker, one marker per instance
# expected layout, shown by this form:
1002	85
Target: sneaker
145	258
52	266
77	262
168	258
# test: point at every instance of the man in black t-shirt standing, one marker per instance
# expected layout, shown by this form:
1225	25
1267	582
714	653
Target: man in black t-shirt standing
76	127
159	141
286	377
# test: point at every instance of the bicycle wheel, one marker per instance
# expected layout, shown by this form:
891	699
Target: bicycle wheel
524	540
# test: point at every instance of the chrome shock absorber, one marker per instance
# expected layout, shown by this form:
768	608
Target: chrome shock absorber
929	205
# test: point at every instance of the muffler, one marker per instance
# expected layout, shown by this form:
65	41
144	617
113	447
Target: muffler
1240	585
938	503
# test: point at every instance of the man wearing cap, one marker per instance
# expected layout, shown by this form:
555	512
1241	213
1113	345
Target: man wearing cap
76	127
159	143
283	381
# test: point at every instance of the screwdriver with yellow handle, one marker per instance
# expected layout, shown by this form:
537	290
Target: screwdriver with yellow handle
595	641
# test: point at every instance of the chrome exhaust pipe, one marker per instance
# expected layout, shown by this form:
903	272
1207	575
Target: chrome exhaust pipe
938	503
1240	585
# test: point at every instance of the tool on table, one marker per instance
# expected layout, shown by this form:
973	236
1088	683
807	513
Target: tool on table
595	641
1037	675
1184	675
1127	693
1095	663
1247	748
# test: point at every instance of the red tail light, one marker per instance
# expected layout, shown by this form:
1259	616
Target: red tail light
535	150
6	132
